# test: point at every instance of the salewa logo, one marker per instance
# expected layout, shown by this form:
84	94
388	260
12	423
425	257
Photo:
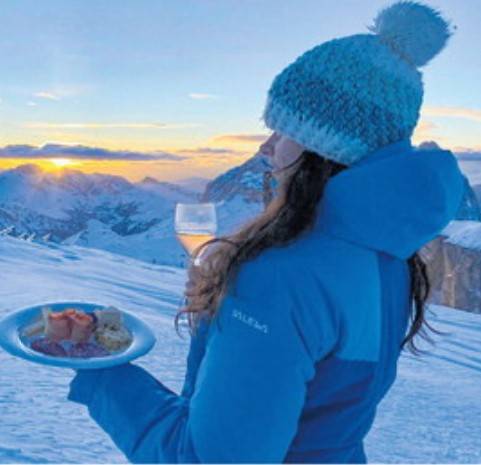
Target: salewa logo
249	320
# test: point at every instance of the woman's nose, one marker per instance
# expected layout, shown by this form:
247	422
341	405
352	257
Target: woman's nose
266	149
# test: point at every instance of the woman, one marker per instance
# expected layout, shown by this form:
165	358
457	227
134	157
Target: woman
299	317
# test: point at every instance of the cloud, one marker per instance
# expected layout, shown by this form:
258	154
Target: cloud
200	96
31	104
241	138
46	95
63	90
82	152
452	112
424	130
210	151
426	126
427	130
214	156
40	125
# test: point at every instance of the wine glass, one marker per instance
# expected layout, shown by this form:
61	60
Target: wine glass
195	224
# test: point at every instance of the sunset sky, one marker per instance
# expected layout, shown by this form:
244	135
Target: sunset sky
174	89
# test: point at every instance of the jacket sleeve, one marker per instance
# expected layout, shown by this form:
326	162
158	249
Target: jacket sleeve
248	394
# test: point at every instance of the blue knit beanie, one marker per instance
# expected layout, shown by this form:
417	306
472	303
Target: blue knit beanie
350	96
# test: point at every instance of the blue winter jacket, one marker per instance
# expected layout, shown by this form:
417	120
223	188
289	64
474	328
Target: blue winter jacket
306	342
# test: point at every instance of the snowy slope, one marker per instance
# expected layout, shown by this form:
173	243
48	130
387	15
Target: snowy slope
464	234
430	415
106	212
34	417
159	244
36	201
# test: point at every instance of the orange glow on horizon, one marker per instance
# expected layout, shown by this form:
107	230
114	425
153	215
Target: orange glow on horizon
63	162
134	171
198	162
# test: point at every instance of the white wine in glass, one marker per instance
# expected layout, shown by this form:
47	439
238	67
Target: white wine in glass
195	224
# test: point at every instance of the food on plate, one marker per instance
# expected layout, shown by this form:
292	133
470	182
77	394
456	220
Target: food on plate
108	317
76	333
38	325
113	338
110	331
87	349
48	347
58	326
82	327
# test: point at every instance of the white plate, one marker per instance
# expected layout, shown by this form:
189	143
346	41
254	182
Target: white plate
12	341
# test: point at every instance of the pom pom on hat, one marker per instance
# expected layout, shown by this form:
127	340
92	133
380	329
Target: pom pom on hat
347	97
414	31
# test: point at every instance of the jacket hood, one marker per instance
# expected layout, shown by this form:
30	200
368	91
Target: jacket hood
395	200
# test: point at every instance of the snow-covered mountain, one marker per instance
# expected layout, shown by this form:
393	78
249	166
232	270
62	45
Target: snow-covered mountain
431	414
36	201
238	194
110	213
241	191
194	183
168	190
135	219
243	181
97	210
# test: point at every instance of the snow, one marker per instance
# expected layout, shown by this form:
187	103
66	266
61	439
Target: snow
34	418
33	200
106	212
464	234
430	415
157	245
235	213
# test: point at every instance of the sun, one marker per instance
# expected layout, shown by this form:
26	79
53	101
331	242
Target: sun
61	162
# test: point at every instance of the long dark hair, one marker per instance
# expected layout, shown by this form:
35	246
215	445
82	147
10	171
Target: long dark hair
286	216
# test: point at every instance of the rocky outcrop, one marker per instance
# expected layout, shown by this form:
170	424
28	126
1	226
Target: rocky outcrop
244	181
454	266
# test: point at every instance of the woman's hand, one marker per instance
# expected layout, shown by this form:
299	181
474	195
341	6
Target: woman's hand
86	381
195	273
